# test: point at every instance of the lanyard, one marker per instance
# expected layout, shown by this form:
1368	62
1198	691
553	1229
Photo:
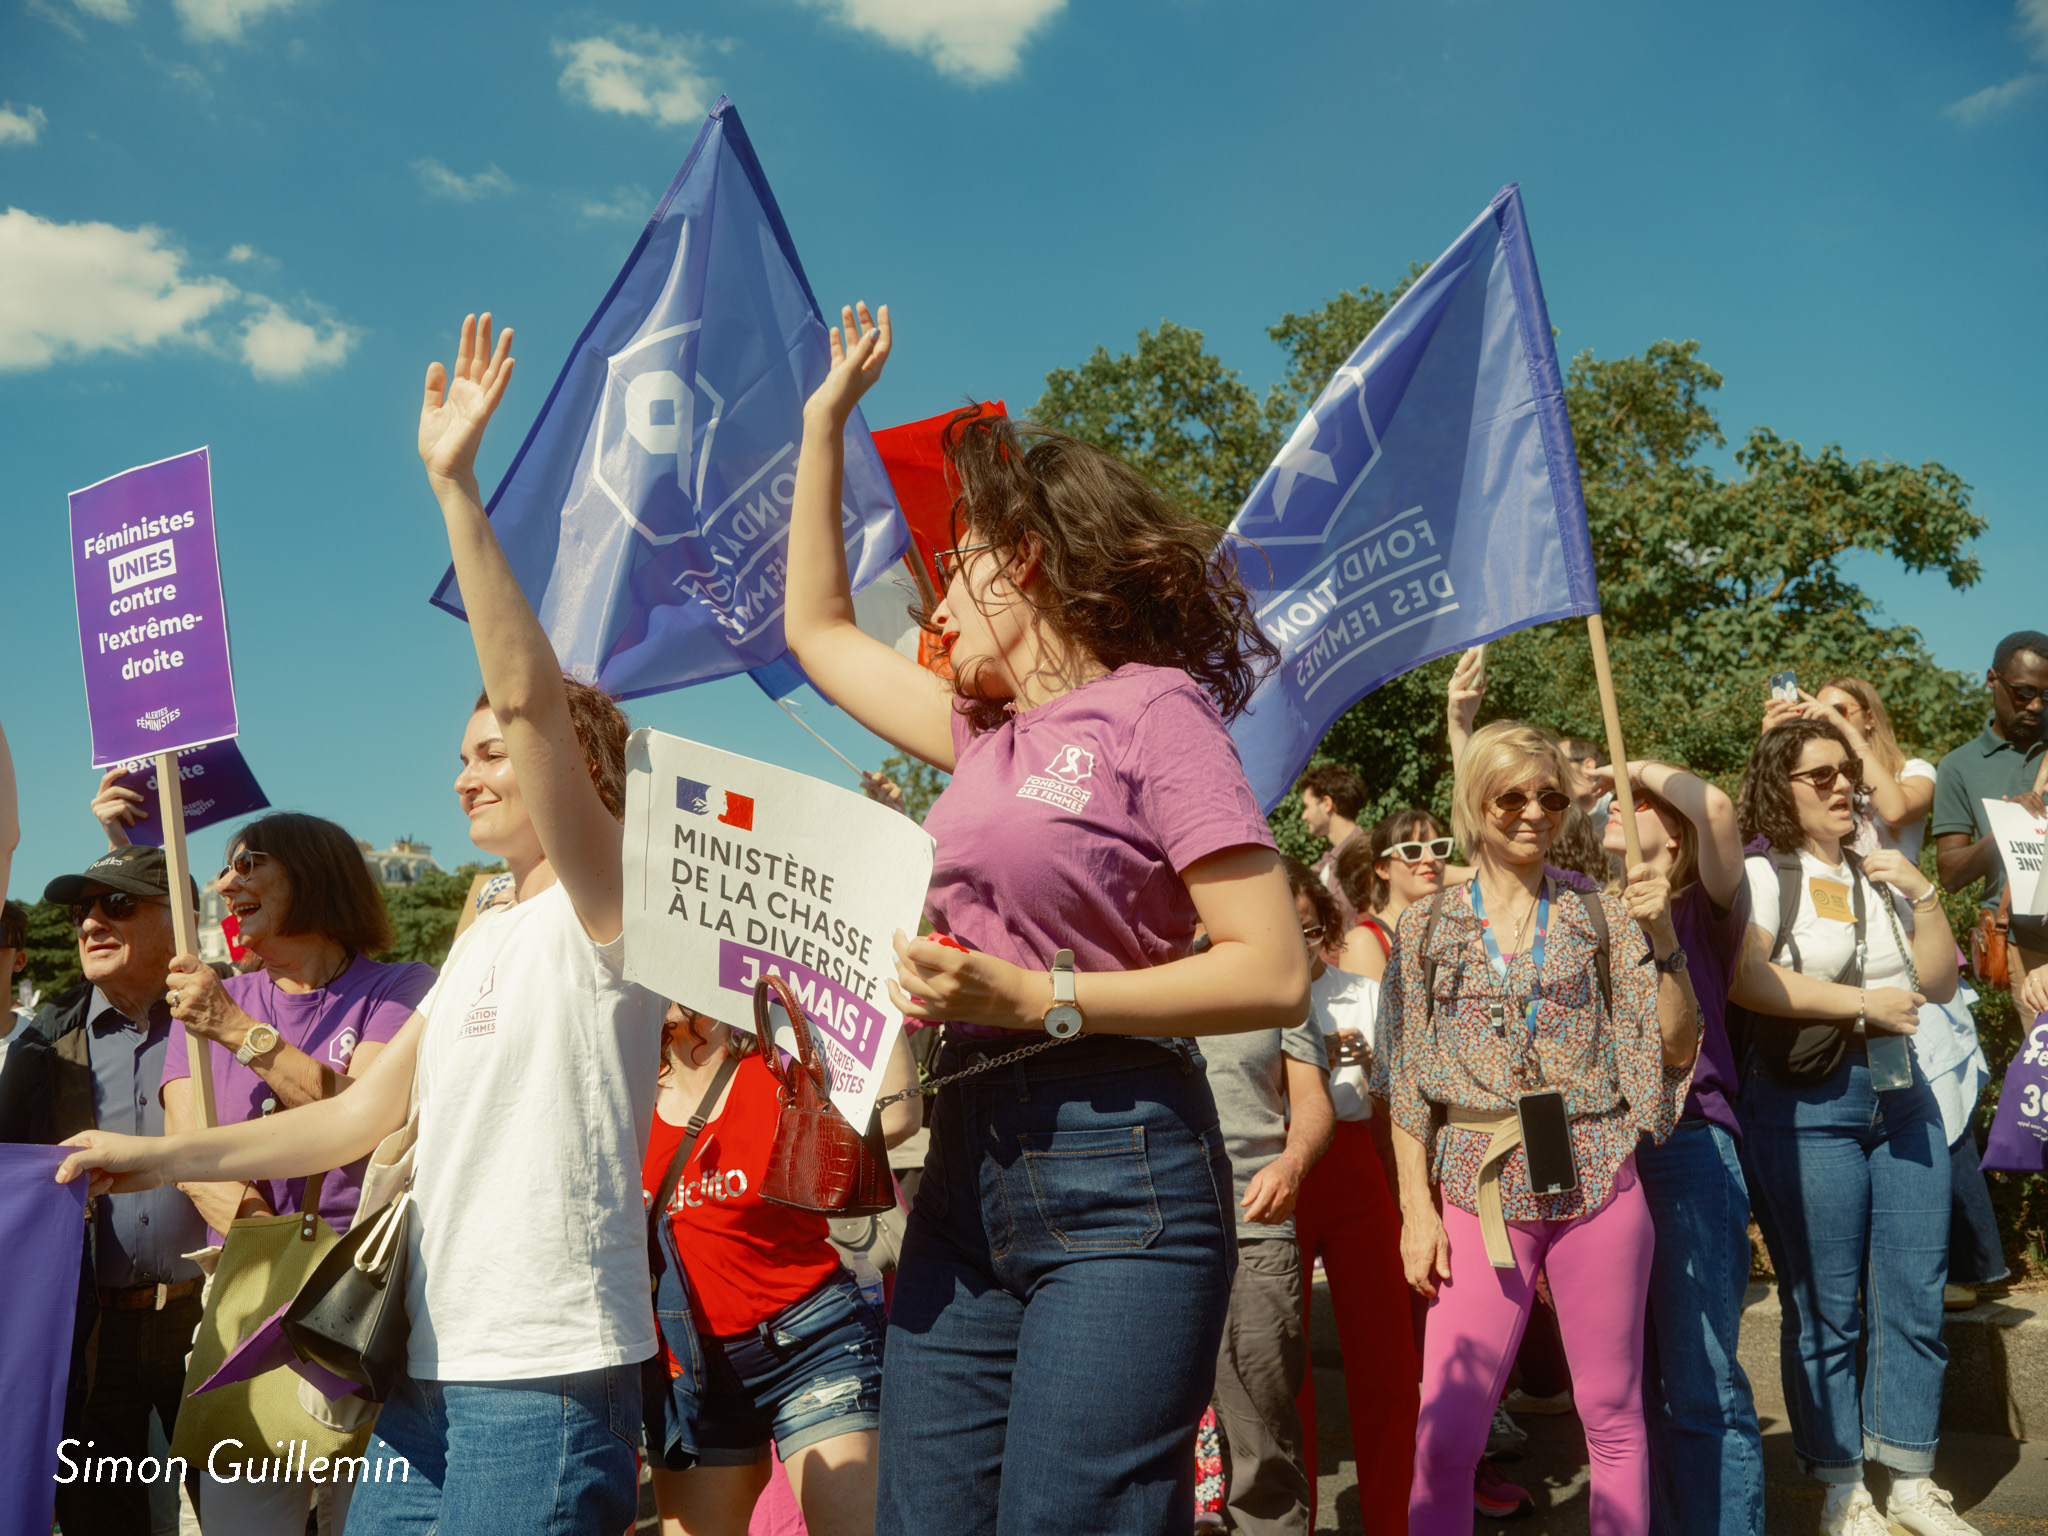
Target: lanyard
1499	963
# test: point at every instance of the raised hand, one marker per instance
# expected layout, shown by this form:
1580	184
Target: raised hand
116	807
1648	899
1463	697
201	1003
458	407
860	346
938	980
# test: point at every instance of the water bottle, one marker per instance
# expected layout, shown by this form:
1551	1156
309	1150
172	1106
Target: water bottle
866	1276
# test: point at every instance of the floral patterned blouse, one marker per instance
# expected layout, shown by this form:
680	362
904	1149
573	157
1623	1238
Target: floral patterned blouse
1610	1068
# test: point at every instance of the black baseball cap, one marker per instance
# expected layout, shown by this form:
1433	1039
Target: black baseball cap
138	869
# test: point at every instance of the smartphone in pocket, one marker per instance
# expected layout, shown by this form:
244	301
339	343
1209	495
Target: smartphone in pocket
1547	1143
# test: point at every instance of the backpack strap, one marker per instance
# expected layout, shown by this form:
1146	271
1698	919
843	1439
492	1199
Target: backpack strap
1603	959
1436	910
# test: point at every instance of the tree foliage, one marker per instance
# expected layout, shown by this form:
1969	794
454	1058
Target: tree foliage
52	950
424	914
920	782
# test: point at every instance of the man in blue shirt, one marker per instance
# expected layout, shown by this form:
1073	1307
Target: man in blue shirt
94	1059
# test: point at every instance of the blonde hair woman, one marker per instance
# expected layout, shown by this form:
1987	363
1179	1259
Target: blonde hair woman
1510	1001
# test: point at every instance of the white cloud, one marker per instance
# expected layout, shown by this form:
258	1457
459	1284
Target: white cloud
628	203
2030	20
277	345
216	21
70	290
636	72
442	182
108	10
975	42
21	125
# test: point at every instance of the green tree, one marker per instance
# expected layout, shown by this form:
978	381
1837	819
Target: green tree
424	914
52	950
920	782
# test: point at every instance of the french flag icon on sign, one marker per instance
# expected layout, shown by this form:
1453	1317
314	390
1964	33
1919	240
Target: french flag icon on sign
695	798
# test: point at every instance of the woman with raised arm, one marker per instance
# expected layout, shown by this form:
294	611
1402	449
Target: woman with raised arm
1706	1453
1061	1294
527	1293
1844	1136
1515	1007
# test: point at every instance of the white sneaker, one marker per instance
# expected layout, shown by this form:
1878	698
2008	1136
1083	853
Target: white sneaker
1926	1510
1851	1513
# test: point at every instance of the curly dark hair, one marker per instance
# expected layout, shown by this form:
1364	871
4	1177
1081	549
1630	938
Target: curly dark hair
1129	576
601	730
1765	808
1302	881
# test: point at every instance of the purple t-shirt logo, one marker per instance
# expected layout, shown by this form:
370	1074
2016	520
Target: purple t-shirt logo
1060	784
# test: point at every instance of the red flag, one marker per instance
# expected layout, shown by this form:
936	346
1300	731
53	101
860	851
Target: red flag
739	811
915	458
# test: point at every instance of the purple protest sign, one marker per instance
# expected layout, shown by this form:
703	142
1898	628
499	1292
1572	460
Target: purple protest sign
841	1018
216	783
152	625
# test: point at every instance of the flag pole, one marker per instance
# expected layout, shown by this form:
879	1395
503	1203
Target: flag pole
783	704
1617	754
184	921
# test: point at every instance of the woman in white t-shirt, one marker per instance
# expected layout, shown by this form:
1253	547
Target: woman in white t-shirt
1900	788
527	1286
1854	1178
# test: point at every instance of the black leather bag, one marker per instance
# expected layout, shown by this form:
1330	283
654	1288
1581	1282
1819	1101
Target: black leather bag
349	1316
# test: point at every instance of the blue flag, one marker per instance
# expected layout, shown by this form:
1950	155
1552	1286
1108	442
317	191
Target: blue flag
647	513
1427	502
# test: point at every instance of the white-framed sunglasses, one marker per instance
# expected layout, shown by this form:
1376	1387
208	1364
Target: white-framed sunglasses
1416	853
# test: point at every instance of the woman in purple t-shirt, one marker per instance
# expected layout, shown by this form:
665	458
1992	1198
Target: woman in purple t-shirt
1706	1453
1061	1294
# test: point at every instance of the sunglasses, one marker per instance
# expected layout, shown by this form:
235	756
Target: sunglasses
1555	802
1416	853
115	906
2021	694
243	863
1313	935
1823	779
950	560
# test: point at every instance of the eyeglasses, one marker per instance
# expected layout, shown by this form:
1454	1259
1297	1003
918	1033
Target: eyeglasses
950	560
1555	802
1313	935
2021	694
1416	853
116	906
1823	779
243	863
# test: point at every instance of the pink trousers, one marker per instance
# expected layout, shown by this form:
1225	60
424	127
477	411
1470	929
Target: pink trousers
1599	1269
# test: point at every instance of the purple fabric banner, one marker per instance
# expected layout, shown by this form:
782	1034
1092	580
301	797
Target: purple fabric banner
42	1230
216	783
152	625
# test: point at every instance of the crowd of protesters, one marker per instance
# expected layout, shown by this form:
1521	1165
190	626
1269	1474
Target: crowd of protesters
1487	1078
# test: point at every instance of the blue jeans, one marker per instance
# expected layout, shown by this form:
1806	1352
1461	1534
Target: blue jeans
811	1372
1060	1299
551	1456
1975	1254
1858	1188
1706	1454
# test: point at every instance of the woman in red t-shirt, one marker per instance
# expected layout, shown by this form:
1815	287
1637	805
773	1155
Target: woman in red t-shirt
792	1350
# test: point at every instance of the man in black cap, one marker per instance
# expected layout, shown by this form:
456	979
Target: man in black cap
94	1058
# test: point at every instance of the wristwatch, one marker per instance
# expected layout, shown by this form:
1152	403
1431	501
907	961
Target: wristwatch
1674	966
260	1041
1063	1020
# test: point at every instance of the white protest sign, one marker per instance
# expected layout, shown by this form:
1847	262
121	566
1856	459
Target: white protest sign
2020	837
735	868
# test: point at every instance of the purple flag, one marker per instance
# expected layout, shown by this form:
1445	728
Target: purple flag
42	1231
152	625
216	783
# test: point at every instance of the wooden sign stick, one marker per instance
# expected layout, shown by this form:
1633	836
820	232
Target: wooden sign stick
184	921
1617	754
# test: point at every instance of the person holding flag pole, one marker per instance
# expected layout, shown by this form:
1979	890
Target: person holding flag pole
1063	1282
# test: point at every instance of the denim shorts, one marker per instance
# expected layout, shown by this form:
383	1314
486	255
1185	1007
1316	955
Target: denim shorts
812	1371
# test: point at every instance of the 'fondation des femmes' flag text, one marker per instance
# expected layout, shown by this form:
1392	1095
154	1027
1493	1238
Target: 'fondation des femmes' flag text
1428	501
647	513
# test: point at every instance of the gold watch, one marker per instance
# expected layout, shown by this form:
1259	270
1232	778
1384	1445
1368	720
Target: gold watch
260	1041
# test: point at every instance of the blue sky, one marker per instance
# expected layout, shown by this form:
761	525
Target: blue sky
251	224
